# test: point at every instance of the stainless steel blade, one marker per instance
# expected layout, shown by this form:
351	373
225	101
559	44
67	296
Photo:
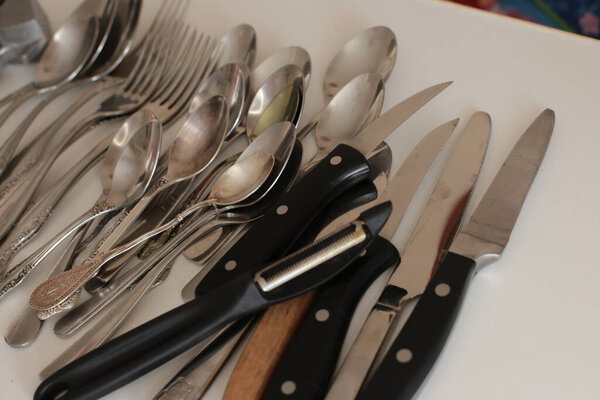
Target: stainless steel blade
489	229
443	213
407	180
380	129
436	226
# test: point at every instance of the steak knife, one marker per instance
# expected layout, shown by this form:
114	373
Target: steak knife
436	226
148	346
483	238
275	232
304	361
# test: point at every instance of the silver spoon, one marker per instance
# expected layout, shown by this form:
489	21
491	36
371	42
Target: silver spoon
66	55
289	55
373	50
197	143
239	46
126	172
250	175
113	51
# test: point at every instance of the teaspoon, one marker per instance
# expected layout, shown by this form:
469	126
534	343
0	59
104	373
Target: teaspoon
239	46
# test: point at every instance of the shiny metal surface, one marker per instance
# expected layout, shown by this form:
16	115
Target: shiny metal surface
126	173
435	228
24	31
443	213
231	82
373	50
292	55
377	131
490	226
279	98
239	46
407	180
355	106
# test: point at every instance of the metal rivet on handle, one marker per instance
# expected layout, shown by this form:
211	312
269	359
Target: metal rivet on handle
442	289
282	209
322	315
288	387
230	265
335	160
404	356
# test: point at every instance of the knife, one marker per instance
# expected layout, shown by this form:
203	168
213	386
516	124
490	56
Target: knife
344	167
435	227
144	348
483	238
338	299
197	375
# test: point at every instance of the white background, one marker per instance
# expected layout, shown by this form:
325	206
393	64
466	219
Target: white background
529	328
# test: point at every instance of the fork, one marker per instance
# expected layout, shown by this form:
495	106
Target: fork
143	70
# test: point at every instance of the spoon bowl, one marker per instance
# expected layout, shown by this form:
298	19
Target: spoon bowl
239	46
131	159
289	55
372	50
278	99
355	106
231	82
243	178
198	141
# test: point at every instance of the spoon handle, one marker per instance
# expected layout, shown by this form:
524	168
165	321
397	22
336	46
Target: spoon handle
26	327
10	145
38	213
14	100
17	274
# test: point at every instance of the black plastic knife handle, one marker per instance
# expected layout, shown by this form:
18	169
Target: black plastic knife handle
150	345
417	347
276	231
310	358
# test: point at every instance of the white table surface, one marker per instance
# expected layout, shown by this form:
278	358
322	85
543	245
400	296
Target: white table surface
529	327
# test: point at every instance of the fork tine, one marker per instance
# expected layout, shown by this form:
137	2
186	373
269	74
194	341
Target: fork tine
186	68
194	73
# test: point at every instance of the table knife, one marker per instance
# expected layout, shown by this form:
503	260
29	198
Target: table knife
143	349
338	299
280	226
483	238
436	225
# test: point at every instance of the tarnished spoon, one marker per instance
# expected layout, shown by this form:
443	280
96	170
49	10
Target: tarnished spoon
252	175
126	172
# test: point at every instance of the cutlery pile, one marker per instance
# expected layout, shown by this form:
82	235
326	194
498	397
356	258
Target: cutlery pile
287	249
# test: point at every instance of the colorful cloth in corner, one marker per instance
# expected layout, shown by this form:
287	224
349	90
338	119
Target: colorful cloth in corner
578	16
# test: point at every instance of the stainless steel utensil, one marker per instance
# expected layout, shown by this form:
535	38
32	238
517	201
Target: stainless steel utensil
126	173
239	46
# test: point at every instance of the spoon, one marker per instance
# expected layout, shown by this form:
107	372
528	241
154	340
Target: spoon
112	52
229	81
244	183
239	46
197	143
289	55
126	172
372	50
67	53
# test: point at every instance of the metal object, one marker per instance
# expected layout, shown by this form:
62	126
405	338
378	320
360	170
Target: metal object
24	31
239	46
287	56
126	173
250	175
414	351
437	223
372	50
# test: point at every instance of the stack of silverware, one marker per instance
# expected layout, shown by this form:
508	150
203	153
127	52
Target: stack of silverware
287	248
